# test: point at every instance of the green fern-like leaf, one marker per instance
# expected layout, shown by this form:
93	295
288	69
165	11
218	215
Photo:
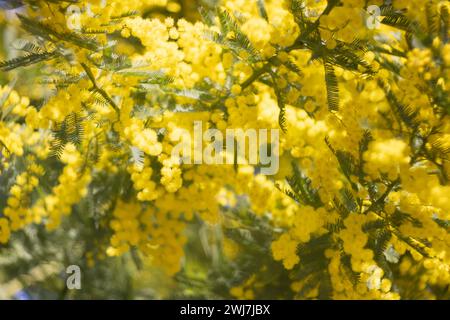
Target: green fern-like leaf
292	66
297	7
281	104
98	93
405	113
441	147
127	14
365	141
349	200
373	225
137	156
27	60
353	276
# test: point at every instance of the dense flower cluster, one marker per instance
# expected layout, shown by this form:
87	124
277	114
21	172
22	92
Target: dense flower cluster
365	171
